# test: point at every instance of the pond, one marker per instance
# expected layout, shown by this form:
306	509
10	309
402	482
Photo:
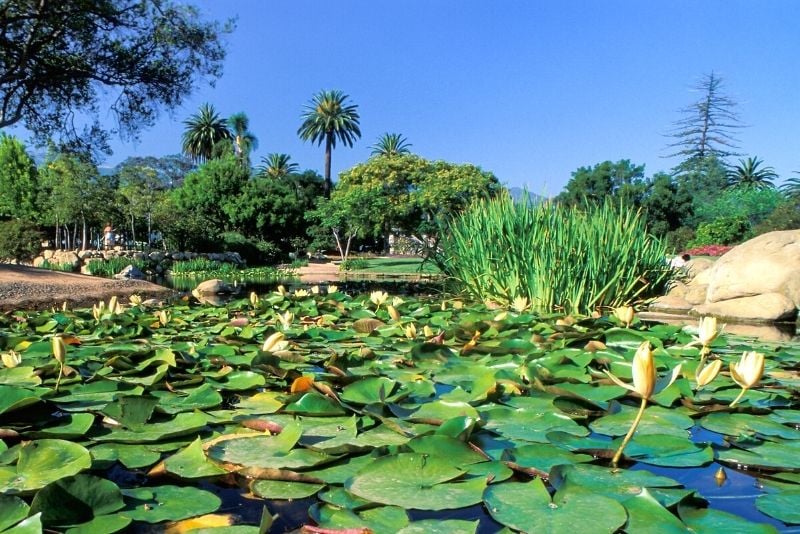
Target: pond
397	413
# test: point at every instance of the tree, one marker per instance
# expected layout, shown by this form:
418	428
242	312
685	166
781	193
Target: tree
391	144
276	166
18	180
708	126
791	188
244	141
622	180
170	170
666	206
329	118
748	175
141	189
60	60
204	130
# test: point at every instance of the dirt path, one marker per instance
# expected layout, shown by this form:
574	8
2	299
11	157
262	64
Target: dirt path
317	273
29	288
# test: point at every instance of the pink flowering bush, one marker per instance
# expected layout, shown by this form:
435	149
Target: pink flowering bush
709	250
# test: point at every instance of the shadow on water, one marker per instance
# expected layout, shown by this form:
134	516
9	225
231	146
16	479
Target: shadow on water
787	331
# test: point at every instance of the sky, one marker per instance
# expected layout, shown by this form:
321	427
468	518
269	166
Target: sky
529	90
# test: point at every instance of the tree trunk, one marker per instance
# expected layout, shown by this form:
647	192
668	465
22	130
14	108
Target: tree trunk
328	148
83	233
133	231
149	229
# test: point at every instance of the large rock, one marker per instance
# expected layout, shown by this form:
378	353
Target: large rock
757	281
130	273
213	287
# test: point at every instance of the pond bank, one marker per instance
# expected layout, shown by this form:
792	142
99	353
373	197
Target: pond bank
764	332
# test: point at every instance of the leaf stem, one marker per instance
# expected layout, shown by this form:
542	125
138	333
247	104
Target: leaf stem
60	372
629	435
738	398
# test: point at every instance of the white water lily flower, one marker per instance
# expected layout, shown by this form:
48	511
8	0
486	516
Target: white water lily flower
301	293
625	315
59	349
520	304
11	359
707	330
315	290
393	313
113	305
378	297
706	374
97	312
427	331
135	300
280	290
163	317
275	342
254	300
397	301
286	319
333	288
645	383
748	370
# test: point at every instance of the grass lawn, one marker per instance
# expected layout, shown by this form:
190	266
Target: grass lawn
399	265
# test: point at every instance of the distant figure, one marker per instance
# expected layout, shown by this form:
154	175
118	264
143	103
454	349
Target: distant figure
679	261
109	237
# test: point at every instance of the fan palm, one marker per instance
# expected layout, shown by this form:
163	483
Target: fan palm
391	144
277	166
748	175
204	130
243	139
791	188
329	118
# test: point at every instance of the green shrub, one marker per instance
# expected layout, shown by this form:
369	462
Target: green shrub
785	217
110	266
19	240
196	265
253	251
61	267
297	263
354	264
559	257
678	240
721	231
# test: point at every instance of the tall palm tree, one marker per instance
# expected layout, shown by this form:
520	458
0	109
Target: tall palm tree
244	141
391	144
791	187
748	175
328	117
204	130
276	166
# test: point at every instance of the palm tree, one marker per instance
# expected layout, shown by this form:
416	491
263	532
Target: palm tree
244	141
791	188
328	117
391	144
204	130
276	166
748	175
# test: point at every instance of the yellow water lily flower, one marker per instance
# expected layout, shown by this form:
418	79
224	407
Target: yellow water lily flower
163	317
378	297
11	359
397	301
254	300
135	300
97	312
393	313
411	331
747	372
625	315
705	374
333	288
59	349
275	342
427	331
645	383
315	290
707	331
301	293
280	290
286	319
520	304
502	316
112	305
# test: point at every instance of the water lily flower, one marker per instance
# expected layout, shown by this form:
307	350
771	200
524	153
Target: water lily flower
707	330
300	293
113	305
97	312
502	316
59	348
280	290
625	315
315	290
645	384
411	331
747	372
275	342
254	300
11	359
397	301
427	331
378	297
705	374
520	304
163	317
333	288
458	304
393	313
135	300
286	319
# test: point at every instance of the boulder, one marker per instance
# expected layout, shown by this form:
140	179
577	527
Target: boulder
38	261
213	287
130	273
766	307
66	257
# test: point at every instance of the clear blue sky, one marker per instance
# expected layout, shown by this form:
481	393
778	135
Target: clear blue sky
529	90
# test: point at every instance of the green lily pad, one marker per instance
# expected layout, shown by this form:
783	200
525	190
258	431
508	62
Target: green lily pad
12	510
543	457
772	455
784	506
656	420
527	507
711	520
436	526
450	449
368	390
41	462
32	525
19	376
192	462
201	398
104	524
69	427
181	425
13	398
740	424
279	489
668	450
419	481
380	520
72	500
645	513
168	503
131	456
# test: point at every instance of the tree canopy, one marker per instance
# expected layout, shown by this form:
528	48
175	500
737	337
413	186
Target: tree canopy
61	62
18	180
622	180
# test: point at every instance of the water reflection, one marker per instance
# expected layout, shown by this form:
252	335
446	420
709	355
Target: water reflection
764	332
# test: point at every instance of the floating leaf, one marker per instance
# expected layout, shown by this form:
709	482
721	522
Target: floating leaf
168	503
41	462
278	489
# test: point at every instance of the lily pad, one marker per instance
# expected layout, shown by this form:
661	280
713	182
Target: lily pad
784	506
78	499
168	503
41	462
12	510
278	489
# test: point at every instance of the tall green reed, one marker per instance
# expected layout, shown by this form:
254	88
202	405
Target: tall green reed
574	259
